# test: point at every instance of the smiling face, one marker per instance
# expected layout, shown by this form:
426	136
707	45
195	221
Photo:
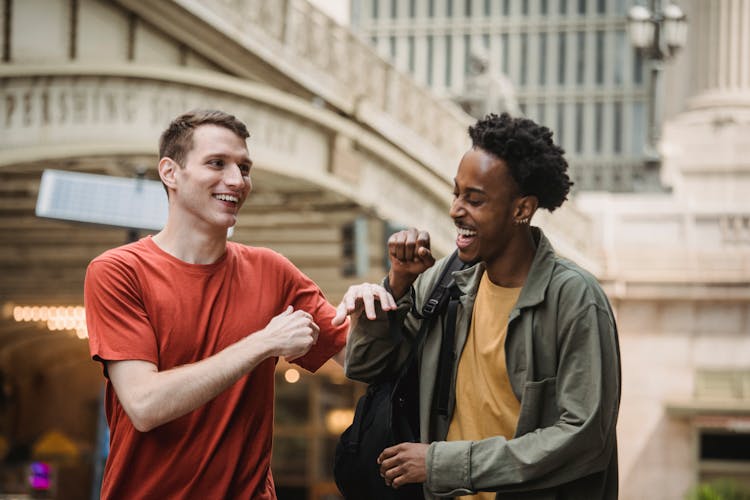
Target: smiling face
485	207
213	182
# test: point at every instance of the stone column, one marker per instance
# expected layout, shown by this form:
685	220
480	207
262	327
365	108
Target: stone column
719	43
705	148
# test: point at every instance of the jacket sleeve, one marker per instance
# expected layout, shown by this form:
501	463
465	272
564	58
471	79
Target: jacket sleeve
377	348
573	415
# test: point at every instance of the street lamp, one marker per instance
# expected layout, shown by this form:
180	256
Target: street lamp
658	33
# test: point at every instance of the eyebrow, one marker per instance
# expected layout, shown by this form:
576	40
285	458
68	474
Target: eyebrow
469	189
243	160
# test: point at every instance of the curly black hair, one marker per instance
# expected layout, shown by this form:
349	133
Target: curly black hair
534	160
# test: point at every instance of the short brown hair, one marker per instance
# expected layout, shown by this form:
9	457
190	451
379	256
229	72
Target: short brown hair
177	140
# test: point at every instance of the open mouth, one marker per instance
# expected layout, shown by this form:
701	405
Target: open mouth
468	233
227	197
465	237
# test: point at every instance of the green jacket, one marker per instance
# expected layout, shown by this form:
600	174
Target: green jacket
562	356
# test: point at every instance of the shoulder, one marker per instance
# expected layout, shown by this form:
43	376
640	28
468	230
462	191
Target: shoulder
122	257
575	287
263	258
261	255
567	271
426	281
120	268
466	278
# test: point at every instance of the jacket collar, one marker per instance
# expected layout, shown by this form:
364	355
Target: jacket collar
540	274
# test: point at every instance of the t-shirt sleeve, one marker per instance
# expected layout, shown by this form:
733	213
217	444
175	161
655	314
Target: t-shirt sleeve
303	293
117	323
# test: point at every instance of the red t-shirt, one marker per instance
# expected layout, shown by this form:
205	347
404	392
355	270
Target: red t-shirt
143	303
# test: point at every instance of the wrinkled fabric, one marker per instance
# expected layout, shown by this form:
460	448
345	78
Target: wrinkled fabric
563	361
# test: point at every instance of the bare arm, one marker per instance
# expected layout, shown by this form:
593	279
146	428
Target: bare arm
152	398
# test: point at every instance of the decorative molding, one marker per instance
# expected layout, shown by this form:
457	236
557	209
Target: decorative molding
295	41
76	110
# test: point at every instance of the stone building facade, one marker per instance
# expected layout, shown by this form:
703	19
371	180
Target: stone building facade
343	143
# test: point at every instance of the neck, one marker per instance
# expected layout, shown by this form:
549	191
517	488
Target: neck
511	267
191	245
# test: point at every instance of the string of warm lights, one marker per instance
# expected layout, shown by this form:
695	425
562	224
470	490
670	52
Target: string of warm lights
57	318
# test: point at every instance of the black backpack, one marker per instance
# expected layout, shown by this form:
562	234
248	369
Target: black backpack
388	413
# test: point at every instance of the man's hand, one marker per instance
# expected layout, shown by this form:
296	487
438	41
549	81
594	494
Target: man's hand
410	255
291	333
363	296
403	464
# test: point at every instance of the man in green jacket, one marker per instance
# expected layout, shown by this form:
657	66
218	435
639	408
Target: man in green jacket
536	372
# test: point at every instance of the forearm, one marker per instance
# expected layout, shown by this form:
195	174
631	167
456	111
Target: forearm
546	458
152	398
398	284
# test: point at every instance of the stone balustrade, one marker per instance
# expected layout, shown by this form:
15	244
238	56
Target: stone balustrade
344	71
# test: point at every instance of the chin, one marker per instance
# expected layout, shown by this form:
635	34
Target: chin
468	257
228	221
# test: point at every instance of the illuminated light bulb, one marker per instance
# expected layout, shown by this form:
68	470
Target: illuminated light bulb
291	375
337	420
18	313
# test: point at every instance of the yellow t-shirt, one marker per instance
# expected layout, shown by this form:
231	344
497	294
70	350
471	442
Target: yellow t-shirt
485	403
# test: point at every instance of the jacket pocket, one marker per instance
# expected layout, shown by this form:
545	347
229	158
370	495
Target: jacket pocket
538	406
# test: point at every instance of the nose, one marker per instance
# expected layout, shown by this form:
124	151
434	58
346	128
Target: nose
233	177
457	208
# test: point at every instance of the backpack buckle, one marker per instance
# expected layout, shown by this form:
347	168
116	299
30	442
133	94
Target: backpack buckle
430	306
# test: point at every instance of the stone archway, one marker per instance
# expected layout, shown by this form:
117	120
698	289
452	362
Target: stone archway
73	112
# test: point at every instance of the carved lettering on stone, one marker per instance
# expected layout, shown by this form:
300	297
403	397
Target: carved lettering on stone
61	109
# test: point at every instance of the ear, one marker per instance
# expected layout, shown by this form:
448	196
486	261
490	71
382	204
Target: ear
167	170
525	207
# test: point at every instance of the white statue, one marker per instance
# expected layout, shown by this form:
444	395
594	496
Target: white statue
486	91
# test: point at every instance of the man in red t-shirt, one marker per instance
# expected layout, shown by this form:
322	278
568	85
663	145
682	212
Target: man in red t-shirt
189	328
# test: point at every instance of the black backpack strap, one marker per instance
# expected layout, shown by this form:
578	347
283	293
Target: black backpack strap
432	307
447	356
439	295
446	293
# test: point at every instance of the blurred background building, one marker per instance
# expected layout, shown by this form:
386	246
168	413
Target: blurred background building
356	131
568	62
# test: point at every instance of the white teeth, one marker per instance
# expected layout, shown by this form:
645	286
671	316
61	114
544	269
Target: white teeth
227	197
466	232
